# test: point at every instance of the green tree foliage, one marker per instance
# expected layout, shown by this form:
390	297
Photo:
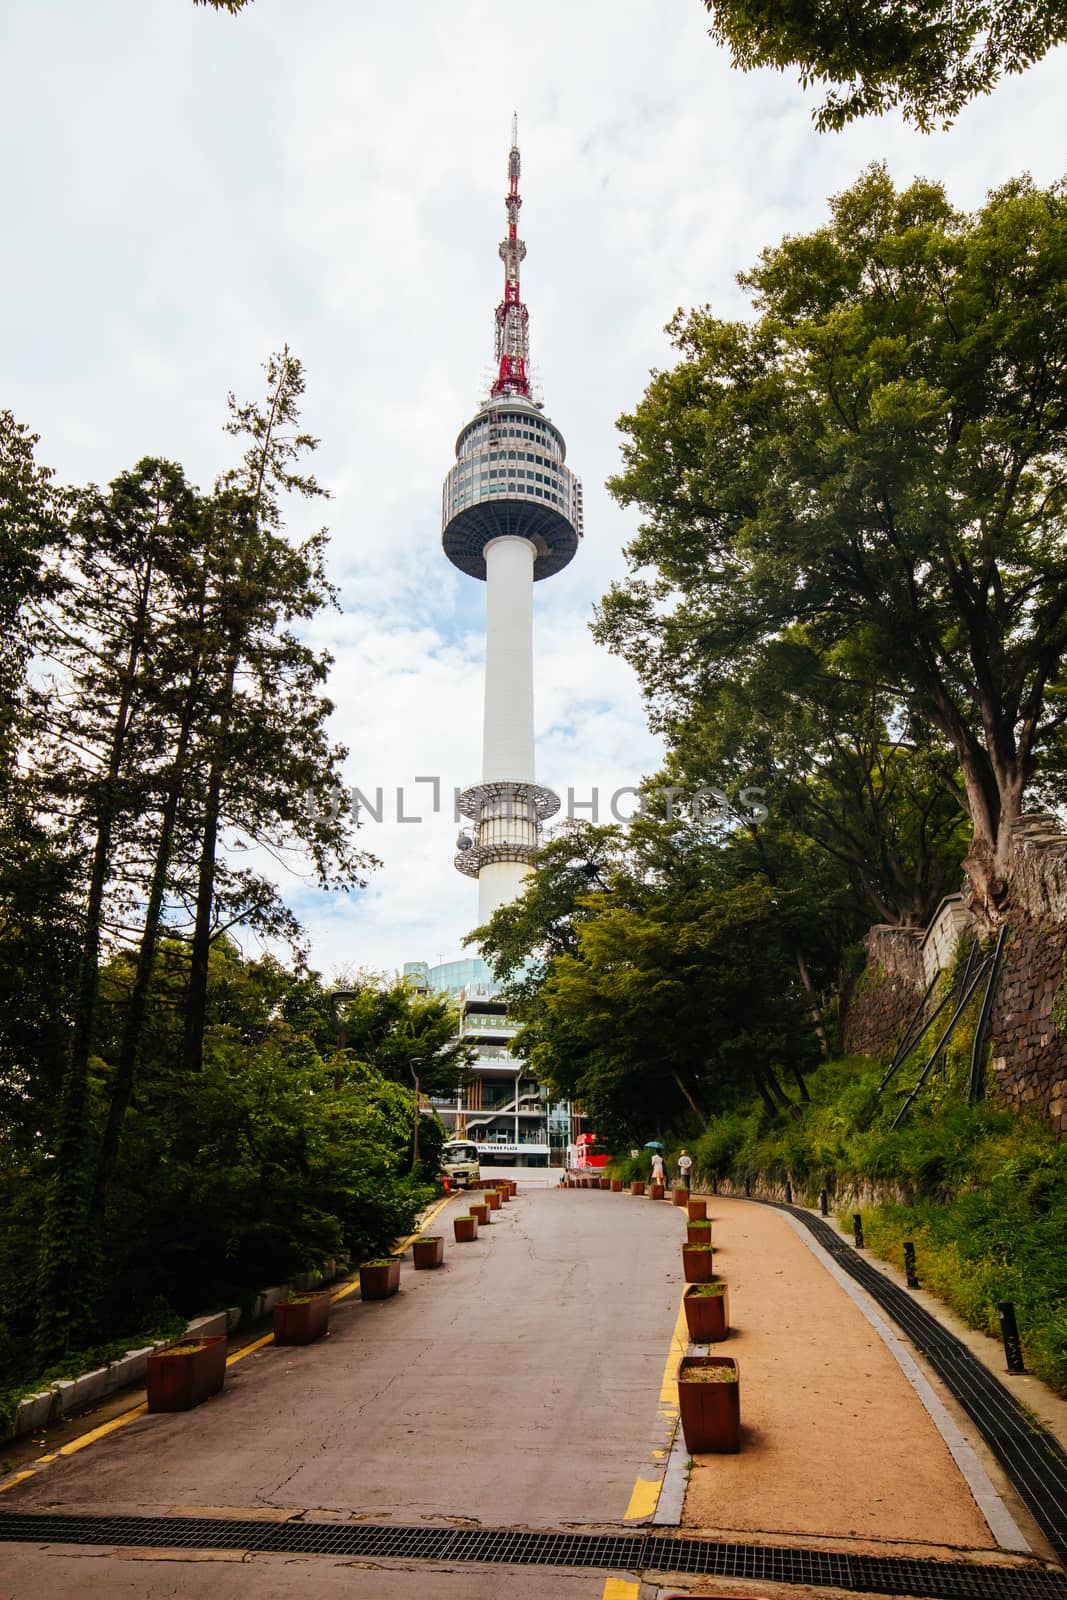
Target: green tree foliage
885	807
876	460
176	719
930	57
281	1152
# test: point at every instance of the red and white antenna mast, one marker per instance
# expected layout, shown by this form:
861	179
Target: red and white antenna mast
512	317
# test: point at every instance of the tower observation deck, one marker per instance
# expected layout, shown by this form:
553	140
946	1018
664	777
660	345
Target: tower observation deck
511	514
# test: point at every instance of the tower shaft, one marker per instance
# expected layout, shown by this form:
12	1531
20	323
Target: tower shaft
507	732
511	515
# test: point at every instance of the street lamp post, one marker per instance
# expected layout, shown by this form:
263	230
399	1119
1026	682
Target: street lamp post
416	1061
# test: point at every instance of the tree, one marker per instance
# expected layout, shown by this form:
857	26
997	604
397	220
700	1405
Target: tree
265	749
930	57
879	459
836	766
674	1003
232	6
526	934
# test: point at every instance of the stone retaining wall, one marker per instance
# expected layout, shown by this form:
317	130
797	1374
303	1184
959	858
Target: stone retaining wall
1029	1049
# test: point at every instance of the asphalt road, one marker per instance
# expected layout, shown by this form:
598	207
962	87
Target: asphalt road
517	1387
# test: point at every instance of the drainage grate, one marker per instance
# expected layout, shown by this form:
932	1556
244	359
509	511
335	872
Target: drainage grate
646	1552
1033	1458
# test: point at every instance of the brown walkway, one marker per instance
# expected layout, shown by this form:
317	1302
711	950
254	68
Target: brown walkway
836	1445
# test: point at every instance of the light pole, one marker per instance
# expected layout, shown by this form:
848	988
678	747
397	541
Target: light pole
416	1061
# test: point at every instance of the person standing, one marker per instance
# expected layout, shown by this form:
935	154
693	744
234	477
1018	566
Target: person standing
657	1168
685	1165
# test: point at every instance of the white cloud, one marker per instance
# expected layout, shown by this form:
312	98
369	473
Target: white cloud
192	189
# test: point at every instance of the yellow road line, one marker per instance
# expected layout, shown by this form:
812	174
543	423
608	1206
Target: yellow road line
399	1249
85	1439
646	1492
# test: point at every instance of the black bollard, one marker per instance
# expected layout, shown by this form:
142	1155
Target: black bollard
748	1189
788	1193
857	1229
909	1265
824	1203
1009	1332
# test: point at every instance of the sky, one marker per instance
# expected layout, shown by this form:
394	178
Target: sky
187	191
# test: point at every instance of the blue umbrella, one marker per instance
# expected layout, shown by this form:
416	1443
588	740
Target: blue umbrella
653	1144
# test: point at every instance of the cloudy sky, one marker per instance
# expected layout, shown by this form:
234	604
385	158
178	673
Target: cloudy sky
185	191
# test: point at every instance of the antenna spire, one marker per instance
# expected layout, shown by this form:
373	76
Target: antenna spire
512	317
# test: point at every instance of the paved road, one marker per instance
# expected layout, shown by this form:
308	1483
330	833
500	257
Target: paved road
518	1387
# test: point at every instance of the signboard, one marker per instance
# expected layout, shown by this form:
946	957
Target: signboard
512	1149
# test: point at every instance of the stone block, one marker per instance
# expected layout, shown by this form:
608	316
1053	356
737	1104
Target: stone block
207	1327
129	1370
268	1299
33	1413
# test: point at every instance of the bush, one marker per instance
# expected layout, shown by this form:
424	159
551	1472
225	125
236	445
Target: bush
982	1191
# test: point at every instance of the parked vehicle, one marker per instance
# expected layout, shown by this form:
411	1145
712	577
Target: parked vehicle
459	1161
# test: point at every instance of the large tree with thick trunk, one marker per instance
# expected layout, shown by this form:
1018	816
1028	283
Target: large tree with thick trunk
879	457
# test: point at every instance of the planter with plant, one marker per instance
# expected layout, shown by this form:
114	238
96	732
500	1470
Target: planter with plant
698	1232
428	1252
698	1210
183	1375
465	1229
681	1197
638	1186
655	1191
301	1319
616	1186
707	1312
379	1279
709	1401
480	1211
493	1197
697	1262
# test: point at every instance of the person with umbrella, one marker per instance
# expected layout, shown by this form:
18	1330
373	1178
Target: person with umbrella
658	1175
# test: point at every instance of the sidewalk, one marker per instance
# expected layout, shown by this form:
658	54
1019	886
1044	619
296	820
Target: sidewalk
837	1445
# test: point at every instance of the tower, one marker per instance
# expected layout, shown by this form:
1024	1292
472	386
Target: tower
511	515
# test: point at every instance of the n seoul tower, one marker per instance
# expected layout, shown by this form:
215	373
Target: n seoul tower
512	514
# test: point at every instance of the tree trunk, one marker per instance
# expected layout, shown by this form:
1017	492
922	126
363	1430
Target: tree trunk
700	1116
68	1271
200	953
133	1027
815	1011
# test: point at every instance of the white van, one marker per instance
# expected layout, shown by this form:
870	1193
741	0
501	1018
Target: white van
459	1160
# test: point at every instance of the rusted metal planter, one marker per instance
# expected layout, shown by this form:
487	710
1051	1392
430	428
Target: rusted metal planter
465	1228
616	1186
379	1279
182	1377
655	1191
698	1232
707	1316
480	1211
638	1186
710	1412
680	1197
302	1320
493	1197
698	1210
698	1263
428	1252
